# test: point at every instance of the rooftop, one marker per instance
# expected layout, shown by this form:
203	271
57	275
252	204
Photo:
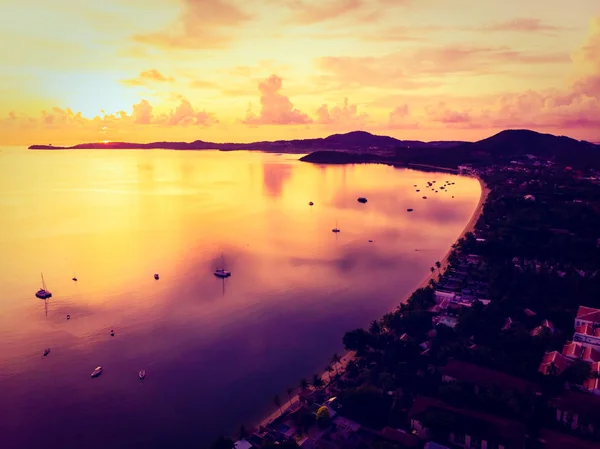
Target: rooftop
588	314
486	377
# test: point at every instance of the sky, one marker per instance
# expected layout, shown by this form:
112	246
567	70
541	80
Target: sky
241	71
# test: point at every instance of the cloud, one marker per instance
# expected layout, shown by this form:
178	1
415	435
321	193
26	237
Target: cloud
417	68
400	118
146	77
442	114
202	24
307	12
276	108
345	116
520	25
142	114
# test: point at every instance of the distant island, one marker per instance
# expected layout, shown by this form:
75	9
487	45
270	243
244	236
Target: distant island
364	147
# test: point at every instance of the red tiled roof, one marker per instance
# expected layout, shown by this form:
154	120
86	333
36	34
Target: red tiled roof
590	354
485	377
558	440
573	350
404	438
560	362
588	314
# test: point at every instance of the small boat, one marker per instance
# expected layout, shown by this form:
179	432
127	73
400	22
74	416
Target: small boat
74	279
362	200
452	196
409	210
97	371
418	190
46	352
142	374
42	293
112	333
370	241
156	276
311	203
222	272
336	229
68	317
424	197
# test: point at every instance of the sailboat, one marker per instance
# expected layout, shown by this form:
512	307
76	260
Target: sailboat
222	272
74	278
336	229
42	293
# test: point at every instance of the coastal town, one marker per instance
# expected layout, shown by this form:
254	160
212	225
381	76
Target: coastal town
499	349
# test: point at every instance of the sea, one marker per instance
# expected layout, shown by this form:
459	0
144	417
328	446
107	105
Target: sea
216	352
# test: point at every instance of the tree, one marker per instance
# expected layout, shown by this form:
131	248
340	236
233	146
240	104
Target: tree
438	264
317	381
432	269
357	340
277	402
329	370
374	328
323	417
335	359
303	384
223	443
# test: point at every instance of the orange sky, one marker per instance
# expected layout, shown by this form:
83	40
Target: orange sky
232	70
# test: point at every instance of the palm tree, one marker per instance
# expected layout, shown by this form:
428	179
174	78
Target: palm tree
329	370
374	328
335	359
317	381
243	433
432	269
277	402
303	384
438	264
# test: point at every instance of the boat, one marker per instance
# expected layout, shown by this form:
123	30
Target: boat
68	317
156	276
222	272
310	203
142	374
370	241
424	197
362	200
112	333
46	352
336	229
42	293
74	278
97	371
409	210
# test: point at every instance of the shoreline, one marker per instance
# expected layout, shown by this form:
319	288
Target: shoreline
351	355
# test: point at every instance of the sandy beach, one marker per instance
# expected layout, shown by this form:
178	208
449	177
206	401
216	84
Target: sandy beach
470	226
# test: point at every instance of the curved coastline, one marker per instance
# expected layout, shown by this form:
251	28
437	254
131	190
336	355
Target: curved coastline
351	355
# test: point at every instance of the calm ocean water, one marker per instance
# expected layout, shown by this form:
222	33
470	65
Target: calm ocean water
215	352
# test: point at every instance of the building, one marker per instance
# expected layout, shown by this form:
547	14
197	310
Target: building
578	412
464	428
484	378
587	335
554	363
587	315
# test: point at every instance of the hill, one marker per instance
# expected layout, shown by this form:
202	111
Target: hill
361	146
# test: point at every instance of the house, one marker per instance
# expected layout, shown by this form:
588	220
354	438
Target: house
465	428
587	335
551	439
579	412
574	350
405	439
587	315
592	384
243	444
440	296
484	378
554	363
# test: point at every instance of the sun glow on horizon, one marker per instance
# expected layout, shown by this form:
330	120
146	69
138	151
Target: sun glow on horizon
158	70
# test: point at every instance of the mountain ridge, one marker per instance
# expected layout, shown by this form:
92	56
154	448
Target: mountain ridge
362	146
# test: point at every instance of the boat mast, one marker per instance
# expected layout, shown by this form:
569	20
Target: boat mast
43	282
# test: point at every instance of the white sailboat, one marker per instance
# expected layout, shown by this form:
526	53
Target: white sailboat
336	229
222	272
42	293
